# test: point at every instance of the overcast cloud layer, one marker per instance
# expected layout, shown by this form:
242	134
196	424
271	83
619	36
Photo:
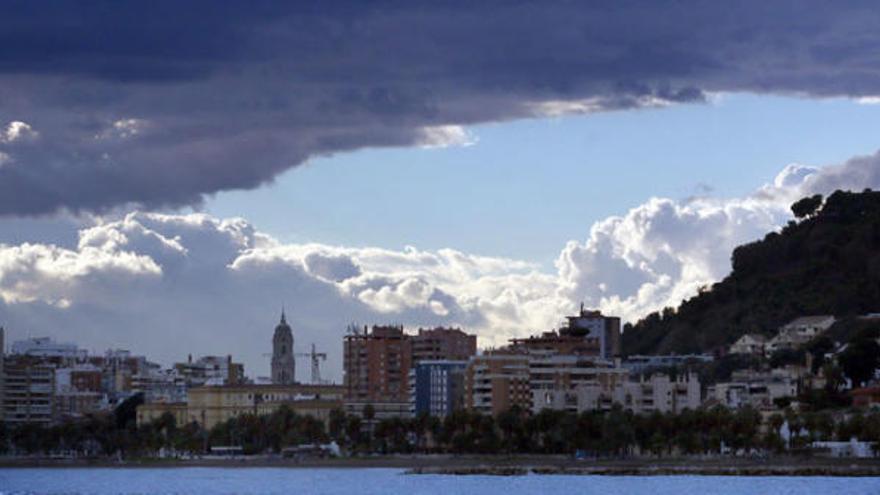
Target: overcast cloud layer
169	285
159	103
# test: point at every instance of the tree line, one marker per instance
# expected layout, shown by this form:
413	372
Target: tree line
614	433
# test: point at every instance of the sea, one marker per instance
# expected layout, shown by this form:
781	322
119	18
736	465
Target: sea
357	481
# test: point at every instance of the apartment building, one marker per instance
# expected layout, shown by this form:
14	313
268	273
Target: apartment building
29	384
756	389
442	344
495	382
554	379
437	387
210	370
377	363
78	392
648	394
589	333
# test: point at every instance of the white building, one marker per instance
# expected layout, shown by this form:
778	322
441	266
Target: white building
211	370
641	363
750	343
813	325
799	331
78	392
45	347
758	390
160	385
853	448
571	382
658	393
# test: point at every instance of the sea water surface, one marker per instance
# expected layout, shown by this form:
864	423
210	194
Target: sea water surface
330	481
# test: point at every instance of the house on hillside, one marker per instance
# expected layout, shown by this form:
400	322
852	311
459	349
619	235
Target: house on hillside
750	343
798	332
809	324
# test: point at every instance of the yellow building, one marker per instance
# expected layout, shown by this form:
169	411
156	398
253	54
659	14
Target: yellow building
152	411
211	405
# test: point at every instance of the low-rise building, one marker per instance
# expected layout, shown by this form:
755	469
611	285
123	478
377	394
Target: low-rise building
211	405
853	448
756	389
371	413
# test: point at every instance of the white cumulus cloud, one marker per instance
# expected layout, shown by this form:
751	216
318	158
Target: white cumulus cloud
173	284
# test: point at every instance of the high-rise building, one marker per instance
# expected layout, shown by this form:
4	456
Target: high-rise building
377	364
437	387
443	344
283	360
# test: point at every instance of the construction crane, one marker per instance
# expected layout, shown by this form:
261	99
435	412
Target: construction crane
316	358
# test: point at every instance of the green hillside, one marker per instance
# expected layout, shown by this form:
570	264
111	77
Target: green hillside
828	262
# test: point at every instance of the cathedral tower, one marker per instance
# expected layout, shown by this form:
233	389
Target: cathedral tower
283	364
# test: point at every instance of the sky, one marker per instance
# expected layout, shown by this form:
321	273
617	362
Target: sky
172	173
555	175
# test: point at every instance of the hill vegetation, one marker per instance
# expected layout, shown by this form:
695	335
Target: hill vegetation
826	262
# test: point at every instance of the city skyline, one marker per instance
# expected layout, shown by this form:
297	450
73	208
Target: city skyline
343	244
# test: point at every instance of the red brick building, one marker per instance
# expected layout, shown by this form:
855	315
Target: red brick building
438	344
377	364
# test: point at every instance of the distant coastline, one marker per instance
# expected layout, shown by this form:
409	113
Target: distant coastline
504	465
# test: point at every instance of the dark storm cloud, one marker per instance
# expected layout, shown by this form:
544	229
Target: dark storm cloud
160	103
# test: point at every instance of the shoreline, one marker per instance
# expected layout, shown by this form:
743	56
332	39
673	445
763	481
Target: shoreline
504	465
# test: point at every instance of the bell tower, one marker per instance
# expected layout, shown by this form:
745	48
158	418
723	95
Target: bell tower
283	364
